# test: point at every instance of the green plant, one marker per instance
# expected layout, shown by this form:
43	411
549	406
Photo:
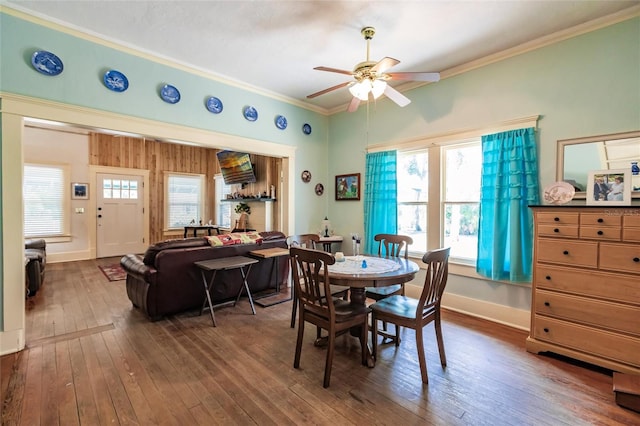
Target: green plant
243	208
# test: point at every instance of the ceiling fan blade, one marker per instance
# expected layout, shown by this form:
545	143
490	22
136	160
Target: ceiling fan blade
396	96
414	76
355	102
330	89
334	70
384	64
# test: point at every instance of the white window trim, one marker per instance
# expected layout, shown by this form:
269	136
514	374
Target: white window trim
65	236
167	175
217	191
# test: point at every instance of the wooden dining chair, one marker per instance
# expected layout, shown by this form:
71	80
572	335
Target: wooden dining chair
403	311
389	245
309	241
318	307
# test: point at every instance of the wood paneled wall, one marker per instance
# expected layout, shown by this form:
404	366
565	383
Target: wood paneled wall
161	157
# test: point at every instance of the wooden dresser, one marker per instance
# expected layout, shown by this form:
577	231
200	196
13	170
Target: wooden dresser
586	285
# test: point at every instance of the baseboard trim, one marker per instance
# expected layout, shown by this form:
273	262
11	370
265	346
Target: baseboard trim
506	315
11	341
69	256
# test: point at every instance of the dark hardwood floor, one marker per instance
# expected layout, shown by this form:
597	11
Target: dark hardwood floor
92	359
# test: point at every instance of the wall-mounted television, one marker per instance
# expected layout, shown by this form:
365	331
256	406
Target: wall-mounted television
236	167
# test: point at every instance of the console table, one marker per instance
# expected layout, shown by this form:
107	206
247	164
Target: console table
224	263
197	228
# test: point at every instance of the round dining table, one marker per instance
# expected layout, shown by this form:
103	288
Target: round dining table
374	272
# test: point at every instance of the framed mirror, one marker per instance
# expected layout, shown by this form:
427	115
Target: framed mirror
577	157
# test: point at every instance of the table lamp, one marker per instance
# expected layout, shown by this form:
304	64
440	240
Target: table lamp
326	224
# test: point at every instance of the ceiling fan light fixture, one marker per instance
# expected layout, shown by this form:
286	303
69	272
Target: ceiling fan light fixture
377	88
362	89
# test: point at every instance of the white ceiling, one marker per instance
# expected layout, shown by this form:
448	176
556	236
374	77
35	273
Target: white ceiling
274	45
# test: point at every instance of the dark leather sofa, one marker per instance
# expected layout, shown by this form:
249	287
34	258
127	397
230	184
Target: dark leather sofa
165	281
35	253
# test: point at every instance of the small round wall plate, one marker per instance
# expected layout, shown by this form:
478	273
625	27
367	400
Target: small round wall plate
46	63
319	189
250	113
281	122
214	105
116	81
306	176
170	94
306	128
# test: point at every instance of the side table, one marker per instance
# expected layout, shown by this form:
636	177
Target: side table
271	253
196	228
327	241
225	263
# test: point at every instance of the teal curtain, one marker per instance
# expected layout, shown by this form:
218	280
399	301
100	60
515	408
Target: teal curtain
380	197
509	185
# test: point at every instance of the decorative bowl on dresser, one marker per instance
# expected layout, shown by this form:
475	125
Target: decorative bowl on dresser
586	285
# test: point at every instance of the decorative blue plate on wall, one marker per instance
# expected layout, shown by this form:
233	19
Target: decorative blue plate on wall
250	113
214	105
306	129
281	122
46	63
115	81
170	94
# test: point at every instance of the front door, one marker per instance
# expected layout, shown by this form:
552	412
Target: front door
120	214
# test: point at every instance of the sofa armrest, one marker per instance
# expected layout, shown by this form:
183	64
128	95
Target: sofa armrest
37	243
133	265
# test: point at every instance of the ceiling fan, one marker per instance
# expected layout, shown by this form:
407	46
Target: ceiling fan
371	78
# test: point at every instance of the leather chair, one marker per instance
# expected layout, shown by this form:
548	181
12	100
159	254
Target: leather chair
310	277
391	245
404	311
310	241
35	252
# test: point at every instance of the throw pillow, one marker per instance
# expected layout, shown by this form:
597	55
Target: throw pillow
222	240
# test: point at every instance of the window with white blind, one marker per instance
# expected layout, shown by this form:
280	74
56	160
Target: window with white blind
184	199
45	195
223	208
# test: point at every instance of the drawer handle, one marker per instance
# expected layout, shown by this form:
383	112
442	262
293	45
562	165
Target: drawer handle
548	277
600	220
546	304
600	233
556	230
566	252
546	330
557	219
636	259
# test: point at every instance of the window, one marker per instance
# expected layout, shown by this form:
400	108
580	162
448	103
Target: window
457	205
119	188
45	194
461	199
223	209
185	199
413	192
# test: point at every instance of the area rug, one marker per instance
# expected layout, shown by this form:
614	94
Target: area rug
113	272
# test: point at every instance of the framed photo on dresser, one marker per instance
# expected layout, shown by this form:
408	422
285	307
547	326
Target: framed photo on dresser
609	188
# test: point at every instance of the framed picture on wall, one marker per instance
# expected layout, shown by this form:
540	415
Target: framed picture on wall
348	187
79	191
609	188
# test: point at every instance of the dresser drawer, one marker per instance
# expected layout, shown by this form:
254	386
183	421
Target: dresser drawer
567	231
569	253
632	219
609	286
612	316
620	257
600	233
559	218
590	340
631	234
600	219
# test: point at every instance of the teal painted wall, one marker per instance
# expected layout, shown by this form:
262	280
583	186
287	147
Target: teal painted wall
587	85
